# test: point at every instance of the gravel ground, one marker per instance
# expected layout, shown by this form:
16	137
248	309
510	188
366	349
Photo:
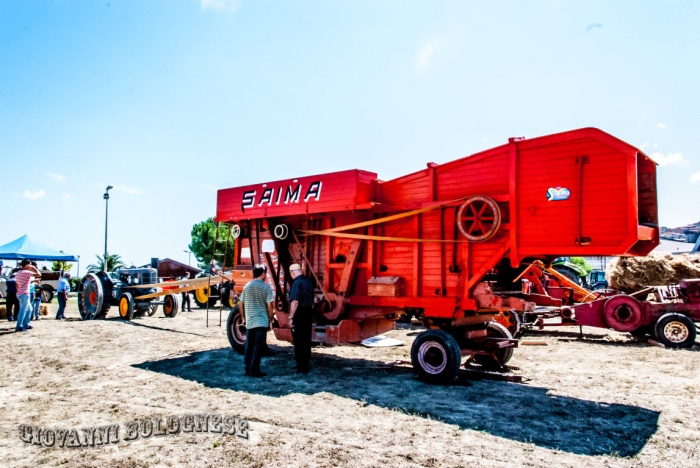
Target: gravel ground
601	401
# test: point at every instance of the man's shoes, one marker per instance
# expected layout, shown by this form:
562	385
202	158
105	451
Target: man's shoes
29	327
303	371
20	329
258	374
295	368
247	372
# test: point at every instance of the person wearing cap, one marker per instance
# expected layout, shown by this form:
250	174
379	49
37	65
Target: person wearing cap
24	279
256	309
301	297
62	295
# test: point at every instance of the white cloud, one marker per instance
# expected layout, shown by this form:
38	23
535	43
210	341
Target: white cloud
32	194
426	52
56	177
65	196
661	125
668	159
127	189
695	177
222	6
643	145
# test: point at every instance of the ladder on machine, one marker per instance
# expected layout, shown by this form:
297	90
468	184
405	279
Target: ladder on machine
227	240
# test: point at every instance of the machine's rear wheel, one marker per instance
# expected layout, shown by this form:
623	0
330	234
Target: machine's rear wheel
235	330
46	295
91	300
675	330
202	295
499	357
436	357
126	306
171	304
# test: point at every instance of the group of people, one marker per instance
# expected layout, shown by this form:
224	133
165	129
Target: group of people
24	297
257	310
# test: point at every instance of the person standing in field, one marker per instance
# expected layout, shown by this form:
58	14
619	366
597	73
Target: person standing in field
24	278
35	293
301	298
11	303
256	309
62	295
186	294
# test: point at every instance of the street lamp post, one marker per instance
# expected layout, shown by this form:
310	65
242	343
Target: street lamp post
106	197
189	255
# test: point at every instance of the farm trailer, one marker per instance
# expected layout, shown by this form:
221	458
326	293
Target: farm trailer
423	243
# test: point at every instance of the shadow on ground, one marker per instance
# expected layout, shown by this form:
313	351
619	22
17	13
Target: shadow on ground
518	412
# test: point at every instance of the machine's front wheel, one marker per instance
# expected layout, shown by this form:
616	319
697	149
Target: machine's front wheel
510	320
171	304
436	357
235	330
502	355
126	306
675	330
91	303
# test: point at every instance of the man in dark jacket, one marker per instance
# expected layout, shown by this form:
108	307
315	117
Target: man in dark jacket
301	298
12	303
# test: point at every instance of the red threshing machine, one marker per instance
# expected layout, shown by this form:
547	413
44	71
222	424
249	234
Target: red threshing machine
422	244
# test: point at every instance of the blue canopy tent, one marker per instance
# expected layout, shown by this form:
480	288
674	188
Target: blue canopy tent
24	247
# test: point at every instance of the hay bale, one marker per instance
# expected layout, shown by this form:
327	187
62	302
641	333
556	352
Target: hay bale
3	312
43	310
631	274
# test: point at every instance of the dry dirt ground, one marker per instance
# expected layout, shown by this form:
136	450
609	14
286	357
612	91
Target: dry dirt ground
603	401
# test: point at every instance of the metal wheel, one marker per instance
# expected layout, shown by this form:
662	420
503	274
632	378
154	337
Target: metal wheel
436	356
623	313
202	295
510	320
152	309
90	297
479	218
171	304
501	356
675	330
126	306
235	330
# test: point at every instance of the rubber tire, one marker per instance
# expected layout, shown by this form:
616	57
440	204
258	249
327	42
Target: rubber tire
515	322
234	320
212	300
495	330
171	305
126	306
447	348
152	309
569	273
46	293
675	317
614	321
226	298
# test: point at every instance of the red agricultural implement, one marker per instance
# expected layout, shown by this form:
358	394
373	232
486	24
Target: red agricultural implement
423	244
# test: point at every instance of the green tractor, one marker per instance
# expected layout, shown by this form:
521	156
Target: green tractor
573	268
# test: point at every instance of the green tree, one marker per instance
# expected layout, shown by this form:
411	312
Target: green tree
61	265
113	262
580	261
203	238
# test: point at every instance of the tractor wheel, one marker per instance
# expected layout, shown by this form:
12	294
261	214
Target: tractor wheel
569	273
675	330
201	296
235	330
229	298
91	300
510	320
502	355
126	306
436	357
623	313
152	309
46	295
171	305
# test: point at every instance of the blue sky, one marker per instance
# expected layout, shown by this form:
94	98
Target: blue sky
169	100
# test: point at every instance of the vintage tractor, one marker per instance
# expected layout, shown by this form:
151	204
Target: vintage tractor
422	244
125	289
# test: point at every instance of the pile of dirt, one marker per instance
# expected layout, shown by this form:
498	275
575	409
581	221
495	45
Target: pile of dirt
631	274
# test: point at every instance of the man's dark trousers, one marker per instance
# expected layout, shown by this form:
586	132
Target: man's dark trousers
186	301
301	334
254	346
12	305
61	305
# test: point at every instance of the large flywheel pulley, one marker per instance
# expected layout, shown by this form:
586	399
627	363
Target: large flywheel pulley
478	218
90	297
